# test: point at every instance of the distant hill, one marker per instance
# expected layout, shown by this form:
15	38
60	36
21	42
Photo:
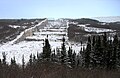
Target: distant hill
85	21
108	19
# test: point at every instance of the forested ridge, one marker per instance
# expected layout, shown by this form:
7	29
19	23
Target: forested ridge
100	59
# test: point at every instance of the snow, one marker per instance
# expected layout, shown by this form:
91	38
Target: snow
52	30
81	25
50	33
14	26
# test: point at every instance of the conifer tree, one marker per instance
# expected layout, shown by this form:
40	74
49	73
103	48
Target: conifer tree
98	54
114	59
58	54
34	59
115	52
63	51
87	53
82	53
93	59
74	59
118	54
46	50
53	56
4	65
4	58
23	63
70	56
0	68
81	57
104	40
0	62
13	61
78	60
109	55
93	41
105	48
31	60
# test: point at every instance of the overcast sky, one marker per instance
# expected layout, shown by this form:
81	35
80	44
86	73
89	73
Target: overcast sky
58	8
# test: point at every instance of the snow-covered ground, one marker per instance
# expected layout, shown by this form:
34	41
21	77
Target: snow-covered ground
14	26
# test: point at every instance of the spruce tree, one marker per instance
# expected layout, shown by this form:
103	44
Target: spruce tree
78	60
70	56
114	59
104	40
115	51
109	55
0	62
82	53
46	50
4	58
93	52
58	54
74	59
0	68
115	41
13	61
87	53
93	41
98	54
23	63
81	56
34	59
53	56
118	54
4	65
31	60
63	51
105	48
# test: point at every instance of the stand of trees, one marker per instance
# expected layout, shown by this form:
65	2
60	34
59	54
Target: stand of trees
101	52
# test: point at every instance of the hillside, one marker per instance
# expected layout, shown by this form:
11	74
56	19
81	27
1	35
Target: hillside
79	29
10	28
